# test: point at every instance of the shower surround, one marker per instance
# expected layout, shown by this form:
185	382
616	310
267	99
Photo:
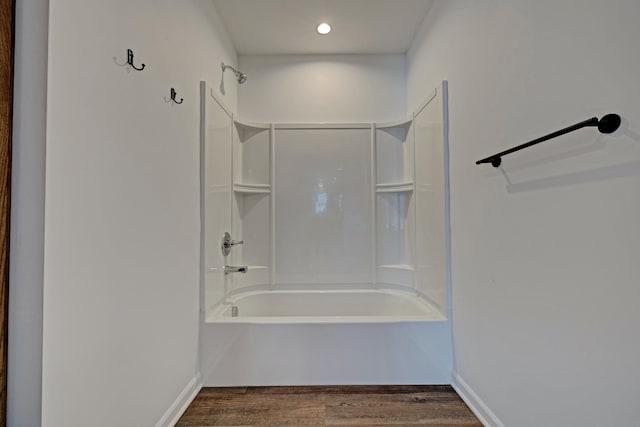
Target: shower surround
343	231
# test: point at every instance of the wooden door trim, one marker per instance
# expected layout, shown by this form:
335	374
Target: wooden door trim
7	41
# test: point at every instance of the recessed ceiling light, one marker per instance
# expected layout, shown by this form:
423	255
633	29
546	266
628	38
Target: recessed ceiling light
324	28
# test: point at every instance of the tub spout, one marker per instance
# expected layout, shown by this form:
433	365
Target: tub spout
228	269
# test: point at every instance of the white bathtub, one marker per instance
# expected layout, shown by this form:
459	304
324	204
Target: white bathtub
324	306
296	336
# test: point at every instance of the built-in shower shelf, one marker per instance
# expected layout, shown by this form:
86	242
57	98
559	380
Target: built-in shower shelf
395	124
252	133
253	125
252	188
399	128
404	123
404	267
394	188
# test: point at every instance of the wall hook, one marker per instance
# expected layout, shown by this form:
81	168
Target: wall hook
130	61
173	97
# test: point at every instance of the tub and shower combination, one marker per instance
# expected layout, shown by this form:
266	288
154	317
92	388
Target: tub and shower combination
337	271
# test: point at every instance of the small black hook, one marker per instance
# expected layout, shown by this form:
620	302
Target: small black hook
130	61
173	97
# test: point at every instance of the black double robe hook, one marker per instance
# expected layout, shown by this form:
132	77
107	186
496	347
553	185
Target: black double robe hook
173	97
130	61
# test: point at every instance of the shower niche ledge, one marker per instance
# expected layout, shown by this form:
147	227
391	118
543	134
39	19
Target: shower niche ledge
252	157
395	207
394	156
252	188
252	204
400	187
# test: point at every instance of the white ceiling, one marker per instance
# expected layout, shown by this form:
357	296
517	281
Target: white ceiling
274	27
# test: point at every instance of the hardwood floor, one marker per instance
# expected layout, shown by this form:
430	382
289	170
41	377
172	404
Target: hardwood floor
345	406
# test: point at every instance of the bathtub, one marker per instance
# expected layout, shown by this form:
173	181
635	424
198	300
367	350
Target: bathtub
324	306
312	335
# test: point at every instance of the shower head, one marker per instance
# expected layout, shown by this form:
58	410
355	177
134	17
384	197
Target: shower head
241	77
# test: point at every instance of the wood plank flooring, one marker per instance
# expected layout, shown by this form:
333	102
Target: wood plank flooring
346	406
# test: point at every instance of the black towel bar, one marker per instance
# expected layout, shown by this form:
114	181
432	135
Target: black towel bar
607	124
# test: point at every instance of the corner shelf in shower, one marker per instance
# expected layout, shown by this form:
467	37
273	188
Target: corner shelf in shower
252	188
405	267
251	157
402	127
251	125
395	202
400	187
394	149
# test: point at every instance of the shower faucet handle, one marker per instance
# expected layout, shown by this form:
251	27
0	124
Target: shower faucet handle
227	243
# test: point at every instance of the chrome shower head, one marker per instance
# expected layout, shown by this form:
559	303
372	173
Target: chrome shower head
241	77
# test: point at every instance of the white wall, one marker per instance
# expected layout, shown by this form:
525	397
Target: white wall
545	252
27	215
322	88
323	206
122	206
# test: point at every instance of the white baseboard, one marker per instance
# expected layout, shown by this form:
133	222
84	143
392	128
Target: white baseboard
182	402
479	408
